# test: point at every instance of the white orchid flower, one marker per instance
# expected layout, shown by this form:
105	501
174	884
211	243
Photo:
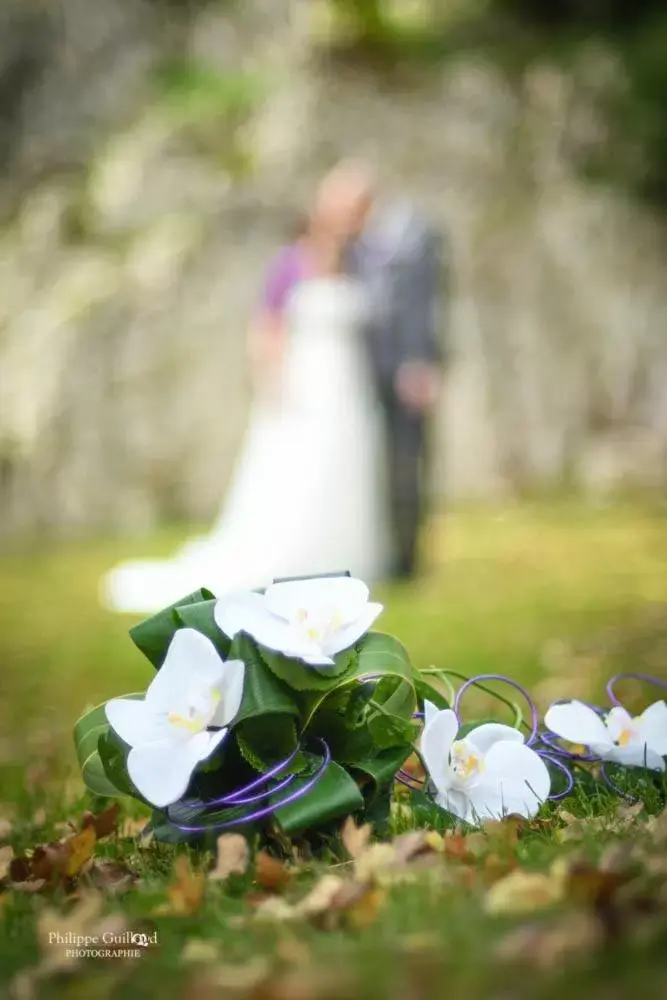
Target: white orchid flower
181	720
488	774
616	737
310	620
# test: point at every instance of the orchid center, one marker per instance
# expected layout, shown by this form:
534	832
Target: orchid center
320	624
627	736
465	761
197	715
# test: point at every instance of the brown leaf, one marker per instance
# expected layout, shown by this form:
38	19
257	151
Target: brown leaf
233	856
105	823
6	857
547	947
355	838
523	892
417	844
48	862
186	894
504	834
79	850
458	848
34	885
111	876
270	873
132	827
321	897
360	904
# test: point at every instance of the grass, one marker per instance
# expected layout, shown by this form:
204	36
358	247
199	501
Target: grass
558	596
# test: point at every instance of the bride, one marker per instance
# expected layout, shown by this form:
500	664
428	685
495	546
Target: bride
308	494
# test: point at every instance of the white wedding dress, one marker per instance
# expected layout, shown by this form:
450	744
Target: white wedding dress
308	495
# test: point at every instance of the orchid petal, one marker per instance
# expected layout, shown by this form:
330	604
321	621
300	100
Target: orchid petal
635	755
345	637
430	712
617	721
231	688
436	742
345	593
484	736
161	772
577	723
248	613
652	725
214	741
135	723
514	775
191	661
454	802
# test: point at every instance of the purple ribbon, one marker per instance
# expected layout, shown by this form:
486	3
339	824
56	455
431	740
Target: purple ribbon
240	796
505	680
644	678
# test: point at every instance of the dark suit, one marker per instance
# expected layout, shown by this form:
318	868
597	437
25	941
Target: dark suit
403	270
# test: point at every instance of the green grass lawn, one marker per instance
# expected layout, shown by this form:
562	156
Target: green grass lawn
557	596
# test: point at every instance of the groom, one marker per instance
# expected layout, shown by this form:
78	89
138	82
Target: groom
399	259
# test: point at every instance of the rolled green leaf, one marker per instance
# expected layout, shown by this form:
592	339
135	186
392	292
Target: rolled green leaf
87	733
153	635
335	796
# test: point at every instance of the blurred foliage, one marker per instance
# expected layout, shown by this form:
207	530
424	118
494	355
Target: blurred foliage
515	33
211	108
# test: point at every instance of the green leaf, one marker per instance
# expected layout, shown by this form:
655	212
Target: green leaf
389	731
265	741
87	732
377	654
113	754
427	692
263	693
303	677
153	635
199	615
383	767
335	796
95	779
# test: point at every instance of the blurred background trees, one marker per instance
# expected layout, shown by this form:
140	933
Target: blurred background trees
154	153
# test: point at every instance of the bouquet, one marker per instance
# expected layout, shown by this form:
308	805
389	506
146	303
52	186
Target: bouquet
284	711
278	706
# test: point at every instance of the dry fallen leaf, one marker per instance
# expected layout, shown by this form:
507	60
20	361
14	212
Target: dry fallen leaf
355	838
104	823
186	894
321	897
80	849
233	856
6	856
524	892
132	827
270	873
111	876
358	904
547	947
377	865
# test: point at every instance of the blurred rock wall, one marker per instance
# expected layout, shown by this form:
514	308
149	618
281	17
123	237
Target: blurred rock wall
137	229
